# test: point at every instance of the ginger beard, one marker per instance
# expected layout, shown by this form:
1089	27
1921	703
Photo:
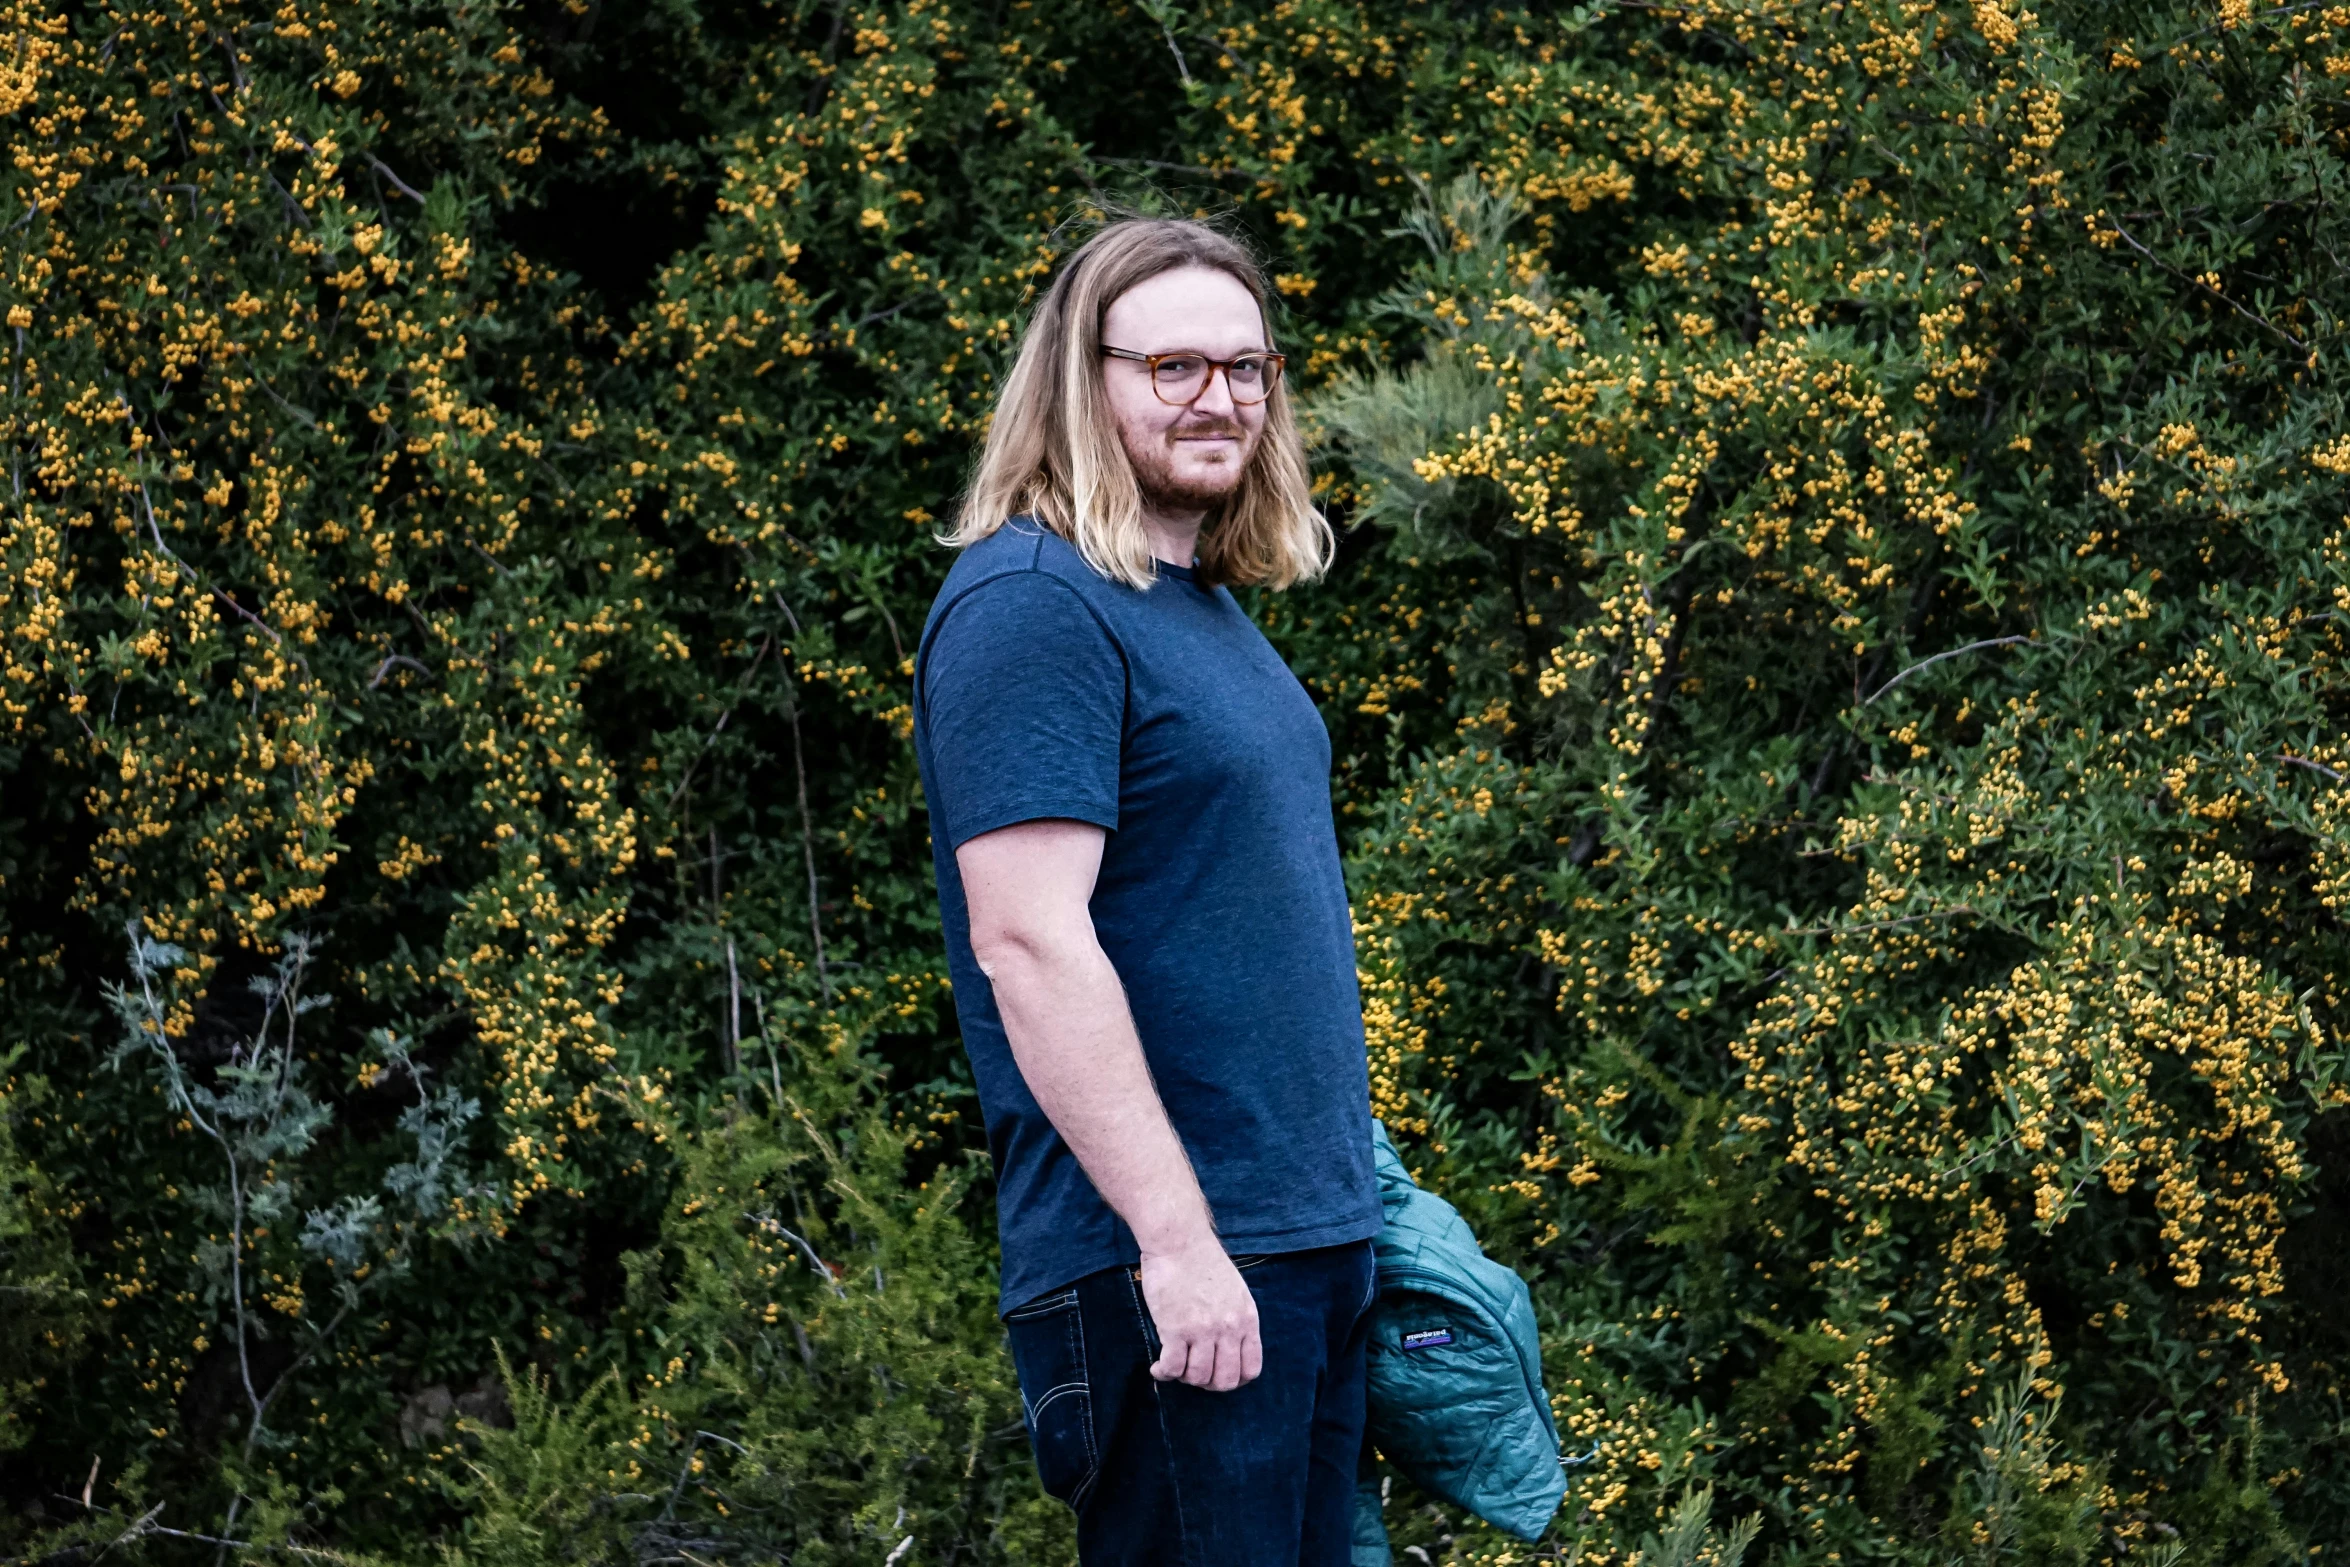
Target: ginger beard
1195	466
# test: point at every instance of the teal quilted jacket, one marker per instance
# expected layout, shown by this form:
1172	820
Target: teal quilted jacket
1456	1371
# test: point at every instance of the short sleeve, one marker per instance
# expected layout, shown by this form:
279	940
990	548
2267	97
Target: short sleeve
1024	695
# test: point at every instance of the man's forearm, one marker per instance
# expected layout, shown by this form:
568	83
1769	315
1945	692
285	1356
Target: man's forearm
1028	888
1073	1038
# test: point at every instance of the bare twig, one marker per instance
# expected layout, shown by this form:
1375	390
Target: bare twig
385	668
2282	10
1926	663
2251	315
799	762
266	629
774	1062
734	1012
376	163
724	718
1178	168
1854	930
293	208
16	448
309	420
1161	12
823	1271
2291	760
144	1526
398	184
1978	1157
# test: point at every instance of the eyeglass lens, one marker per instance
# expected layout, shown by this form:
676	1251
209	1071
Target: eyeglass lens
1184	377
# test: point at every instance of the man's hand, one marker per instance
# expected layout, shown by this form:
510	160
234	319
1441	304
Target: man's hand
1207	1319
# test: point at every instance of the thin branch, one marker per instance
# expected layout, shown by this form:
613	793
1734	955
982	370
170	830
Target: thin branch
385	668
285	1378
867	320
2282	10
266	629
734	1012
139	1529
378	164
1971	647
2253	316
1178	168
1161	14
16	448
155	529
294	208
309	419
145	1526
1855	930
719	728
236	1274
799	762
807	820
814	1261
2291	760
1978	1157
236	67
398	184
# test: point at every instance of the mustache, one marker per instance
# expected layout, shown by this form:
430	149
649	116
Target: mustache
1224	427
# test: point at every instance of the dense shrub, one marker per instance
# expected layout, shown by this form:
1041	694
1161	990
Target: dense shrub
1836	661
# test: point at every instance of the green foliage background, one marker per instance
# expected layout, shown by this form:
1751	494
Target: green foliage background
1836	658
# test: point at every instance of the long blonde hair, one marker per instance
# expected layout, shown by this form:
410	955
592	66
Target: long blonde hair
1053	452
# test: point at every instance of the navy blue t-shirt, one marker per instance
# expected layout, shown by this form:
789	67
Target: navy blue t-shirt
1045	690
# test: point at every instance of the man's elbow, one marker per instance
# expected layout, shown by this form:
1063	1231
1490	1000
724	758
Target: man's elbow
1010	951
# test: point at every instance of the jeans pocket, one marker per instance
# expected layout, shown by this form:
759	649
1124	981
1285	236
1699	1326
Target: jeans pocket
1056	1400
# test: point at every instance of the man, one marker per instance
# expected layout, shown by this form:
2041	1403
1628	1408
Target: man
1146	924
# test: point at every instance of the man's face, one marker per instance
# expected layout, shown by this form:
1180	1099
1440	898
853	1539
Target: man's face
1187	458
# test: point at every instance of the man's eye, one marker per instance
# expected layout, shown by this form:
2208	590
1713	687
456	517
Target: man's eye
1247	369
1179	367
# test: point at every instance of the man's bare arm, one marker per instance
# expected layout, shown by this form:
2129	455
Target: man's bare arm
1028	888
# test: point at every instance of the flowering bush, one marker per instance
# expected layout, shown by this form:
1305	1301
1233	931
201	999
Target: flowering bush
1835	658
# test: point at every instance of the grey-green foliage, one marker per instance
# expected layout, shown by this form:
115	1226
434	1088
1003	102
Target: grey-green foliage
2024	1490
1383	420
254	1106
1689	1538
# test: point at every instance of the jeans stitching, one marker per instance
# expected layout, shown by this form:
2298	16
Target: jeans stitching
1043	1307
1142	1320
1080	1387
1084	1385
1045	1402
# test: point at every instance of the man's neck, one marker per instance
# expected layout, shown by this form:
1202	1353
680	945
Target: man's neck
1174	535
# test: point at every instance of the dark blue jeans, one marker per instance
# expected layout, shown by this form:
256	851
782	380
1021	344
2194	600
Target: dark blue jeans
1158	1472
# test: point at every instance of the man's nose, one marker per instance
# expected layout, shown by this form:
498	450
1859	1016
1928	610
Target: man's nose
1215	397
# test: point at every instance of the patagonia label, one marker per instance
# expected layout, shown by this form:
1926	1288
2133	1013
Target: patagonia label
1428	1338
